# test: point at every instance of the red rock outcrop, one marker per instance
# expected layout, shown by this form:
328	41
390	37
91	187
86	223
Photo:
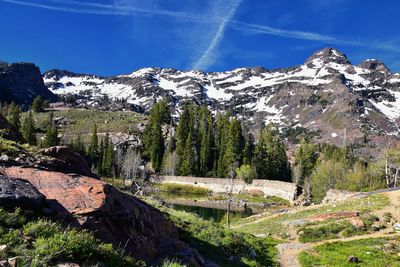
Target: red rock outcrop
113	216
334	215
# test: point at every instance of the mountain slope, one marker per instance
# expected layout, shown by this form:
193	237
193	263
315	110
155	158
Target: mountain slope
325	95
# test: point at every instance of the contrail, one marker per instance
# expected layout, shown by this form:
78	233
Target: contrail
208	57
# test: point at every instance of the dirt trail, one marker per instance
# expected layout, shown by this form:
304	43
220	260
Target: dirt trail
288	252
268	215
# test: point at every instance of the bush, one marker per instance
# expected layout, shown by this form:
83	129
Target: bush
326	176
327	231
247	173
41	228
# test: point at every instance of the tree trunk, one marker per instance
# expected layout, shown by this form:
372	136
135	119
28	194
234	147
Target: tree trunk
386	172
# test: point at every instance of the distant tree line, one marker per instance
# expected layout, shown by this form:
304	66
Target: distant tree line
26	127
207	145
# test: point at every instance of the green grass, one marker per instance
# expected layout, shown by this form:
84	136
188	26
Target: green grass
81	121
39	242
372	252
218	243
323	232
183	188
262	199
332	230
275	225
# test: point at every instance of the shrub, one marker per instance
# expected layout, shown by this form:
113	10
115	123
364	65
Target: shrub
247	173
327	231
326	176
41	228
387	217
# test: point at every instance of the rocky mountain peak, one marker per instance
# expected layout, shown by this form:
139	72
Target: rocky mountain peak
329	55
22	82
374	65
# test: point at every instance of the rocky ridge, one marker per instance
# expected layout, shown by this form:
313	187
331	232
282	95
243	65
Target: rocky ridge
324	96
22	82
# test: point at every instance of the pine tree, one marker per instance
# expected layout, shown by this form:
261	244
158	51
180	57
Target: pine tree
260	156
187	142
37	104
153	138
222	164
28	129
235	143
157	148
248	152
51	137
14	114
107	156
93	150
99	161
188	161
206	142
270	159
304	162
183	129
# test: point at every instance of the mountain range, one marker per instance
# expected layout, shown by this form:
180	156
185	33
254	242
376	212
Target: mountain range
326	97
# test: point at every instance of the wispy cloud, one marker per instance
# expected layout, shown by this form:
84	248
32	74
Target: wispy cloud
101	9
214	25
311	36
209	55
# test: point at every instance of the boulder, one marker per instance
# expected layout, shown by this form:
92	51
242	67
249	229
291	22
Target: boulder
357	222
353	259
69	160
114	217
396	226
334	196
19	193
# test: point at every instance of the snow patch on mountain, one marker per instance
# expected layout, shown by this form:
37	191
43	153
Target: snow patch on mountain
325	79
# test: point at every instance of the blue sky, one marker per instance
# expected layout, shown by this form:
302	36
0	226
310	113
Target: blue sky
108	37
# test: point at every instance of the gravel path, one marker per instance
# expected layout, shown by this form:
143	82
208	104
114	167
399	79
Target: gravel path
288	253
